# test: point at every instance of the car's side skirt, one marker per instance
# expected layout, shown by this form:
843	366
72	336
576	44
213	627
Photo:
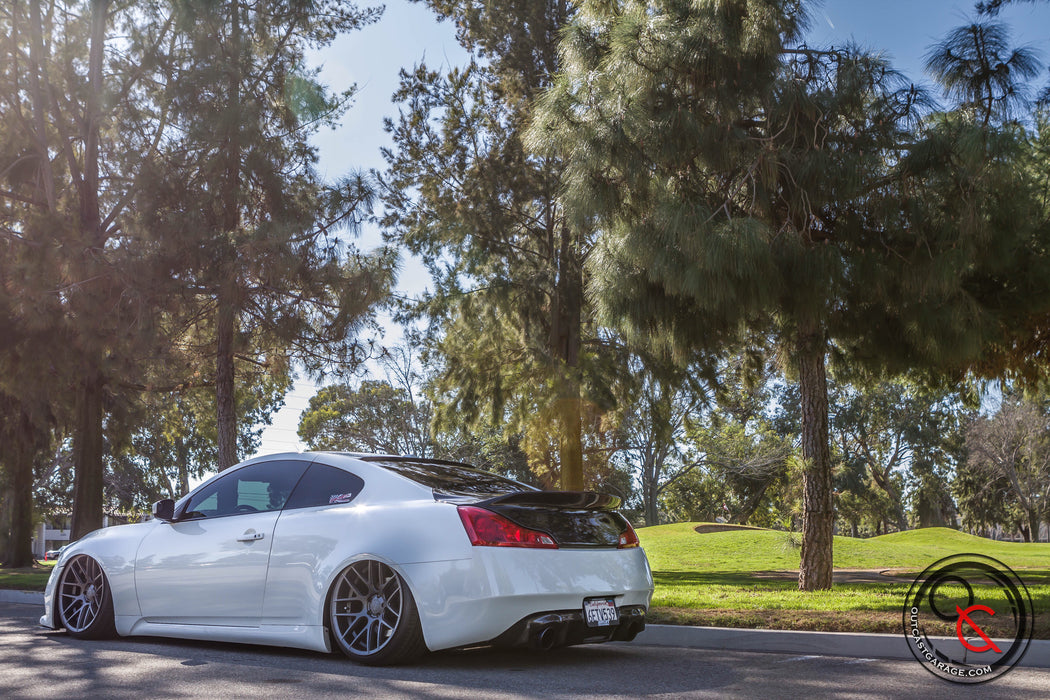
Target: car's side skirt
313	637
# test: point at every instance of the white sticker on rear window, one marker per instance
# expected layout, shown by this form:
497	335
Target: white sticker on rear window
341	498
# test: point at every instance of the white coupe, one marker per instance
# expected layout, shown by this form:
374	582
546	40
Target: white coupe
383	556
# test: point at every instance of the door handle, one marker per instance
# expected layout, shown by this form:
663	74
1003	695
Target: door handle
251	536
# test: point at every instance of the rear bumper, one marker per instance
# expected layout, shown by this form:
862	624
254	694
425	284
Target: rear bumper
546	631
484	598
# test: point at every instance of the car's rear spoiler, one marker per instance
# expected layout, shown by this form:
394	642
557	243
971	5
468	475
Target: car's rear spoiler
562	500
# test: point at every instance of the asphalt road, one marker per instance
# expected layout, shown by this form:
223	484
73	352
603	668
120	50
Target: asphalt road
38	663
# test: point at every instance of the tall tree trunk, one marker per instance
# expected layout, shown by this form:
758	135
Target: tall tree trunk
902	518
570	448
87	458
884	479
5	519
225	399
898	503
17	454
651	493
1033	525
567	315
87	438
748	509
40	111
90	217
819	516
183	472
20	548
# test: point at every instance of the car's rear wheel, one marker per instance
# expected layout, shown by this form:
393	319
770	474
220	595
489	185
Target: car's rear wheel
85	601
373	616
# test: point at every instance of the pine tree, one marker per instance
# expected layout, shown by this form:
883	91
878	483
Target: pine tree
103	246
992	7
74	142
985	80
461	191
976	67
249	230
742	180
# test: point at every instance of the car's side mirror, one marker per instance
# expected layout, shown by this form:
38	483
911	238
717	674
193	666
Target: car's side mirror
164	510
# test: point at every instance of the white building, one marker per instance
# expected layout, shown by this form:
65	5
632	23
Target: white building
53	532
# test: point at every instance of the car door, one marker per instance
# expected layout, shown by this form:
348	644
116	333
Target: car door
208	567
314	522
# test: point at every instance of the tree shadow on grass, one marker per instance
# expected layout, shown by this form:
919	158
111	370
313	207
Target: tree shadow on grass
770	579
707	578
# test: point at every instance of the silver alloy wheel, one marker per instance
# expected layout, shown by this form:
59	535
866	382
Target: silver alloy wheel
367	605
81	593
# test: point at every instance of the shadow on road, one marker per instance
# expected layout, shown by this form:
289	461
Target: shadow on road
175	668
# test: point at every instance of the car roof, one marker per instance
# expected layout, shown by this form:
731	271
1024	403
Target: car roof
383	483
440	478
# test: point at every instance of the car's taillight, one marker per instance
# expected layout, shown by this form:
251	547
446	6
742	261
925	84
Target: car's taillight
488	529
628	538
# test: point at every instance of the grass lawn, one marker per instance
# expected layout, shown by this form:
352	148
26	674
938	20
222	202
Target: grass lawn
26	579
747	578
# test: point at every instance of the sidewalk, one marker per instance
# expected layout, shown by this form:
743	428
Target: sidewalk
25	597
866	646
861	646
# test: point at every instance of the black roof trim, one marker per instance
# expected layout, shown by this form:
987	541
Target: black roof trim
418	460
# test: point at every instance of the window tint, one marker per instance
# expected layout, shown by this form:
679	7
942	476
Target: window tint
258	488
323	485
452	479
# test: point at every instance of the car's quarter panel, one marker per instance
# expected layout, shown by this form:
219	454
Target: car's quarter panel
476	600
311	546
206	571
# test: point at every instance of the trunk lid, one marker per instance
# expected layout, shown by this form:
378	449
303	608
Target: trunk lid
575	519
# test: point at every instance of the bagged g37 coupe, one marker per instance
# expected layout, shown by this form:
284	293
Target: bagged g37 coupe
384	557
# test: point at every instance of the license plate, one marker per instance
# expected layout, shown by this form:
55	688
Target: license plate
600	612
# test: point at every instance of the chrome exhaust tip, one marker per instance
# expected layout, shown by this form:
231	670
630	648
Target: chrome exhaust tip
546	638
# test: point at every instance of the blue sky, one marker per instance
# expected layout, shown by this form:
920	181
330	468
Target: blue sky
408	33
904	29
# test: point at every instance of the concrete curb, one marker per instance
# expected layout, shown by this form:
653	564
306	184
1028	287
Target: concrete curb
862	646
23	597
869	646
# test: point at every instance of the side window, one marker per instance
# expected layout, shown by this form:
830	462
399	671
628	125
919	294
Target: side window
255	489
323	485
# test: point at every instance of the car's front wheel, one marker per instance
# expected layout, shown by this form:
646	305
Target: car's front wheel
373	616
85	601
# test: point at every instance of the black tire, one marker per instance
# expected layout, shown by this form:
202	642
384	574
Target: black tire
84	600
372	615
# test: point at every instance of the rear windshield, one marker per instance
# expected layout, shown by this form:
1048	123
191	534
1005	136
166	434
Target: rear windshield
452	479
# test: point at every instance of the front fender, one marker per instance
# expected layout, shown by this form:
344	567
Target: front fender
114	548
